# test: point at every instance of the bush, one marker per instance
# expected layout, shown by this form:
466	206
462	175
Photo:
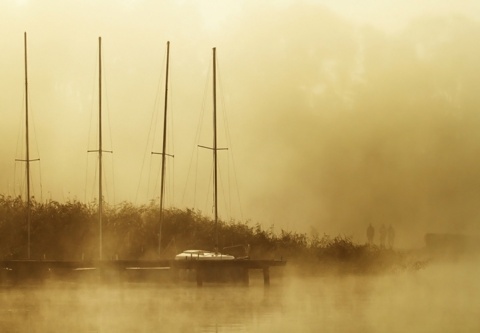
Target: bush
70	231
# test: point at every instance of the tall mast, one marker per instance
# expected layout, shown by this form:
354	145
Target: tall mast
215	146
27	158
164	144
100	151
100	195
27	144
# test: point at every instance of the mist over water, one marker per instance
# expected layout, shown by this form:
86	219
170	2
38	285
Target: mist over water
342	114
442	297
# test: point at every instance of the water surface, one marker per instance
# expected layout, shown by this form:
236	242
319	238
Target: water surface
439	298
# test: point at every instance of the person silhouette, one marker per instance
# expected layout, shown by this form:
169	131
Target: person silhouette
391	236
370	234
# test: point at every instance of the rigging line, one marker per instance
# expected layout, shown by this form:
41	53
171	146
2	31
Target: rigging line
210	181
228	200
229	139
196	141
157	101
199	130
40	179
226	127
156	124
148	177
105	181
192	155
107	114
226	196
92	107
113	182
89	189
172	138
170	181
20	148
229	186
34	136
168	184
92	121
34	124
22	187
186	182
152	119
229	197
160	118
168	192
172	187
152	180
157	180
32	117
18	186
153	122
195	182
141	176
94	189
204	102
33	184
237	187
14	175
86	180
222	187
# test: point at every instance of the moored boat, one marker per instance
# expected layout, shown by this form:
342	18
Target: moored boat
202	255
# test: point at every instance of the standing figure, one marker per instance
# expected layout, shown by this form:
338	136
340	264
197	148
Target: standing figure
383	235
370	234
391	236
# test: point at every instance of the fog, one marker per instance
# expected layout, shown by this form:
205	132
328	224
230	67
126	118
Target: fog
442	297
339	114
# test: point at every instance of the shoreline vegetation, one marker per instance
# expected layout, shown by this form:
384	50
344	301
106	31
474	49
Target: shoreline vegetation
69	231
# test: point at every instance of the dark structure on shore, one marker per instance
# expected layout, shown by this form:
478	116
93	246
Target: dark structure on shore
18	271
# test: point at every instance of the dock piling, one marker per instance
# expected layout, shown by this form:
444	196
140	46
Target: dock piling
266	276
199	273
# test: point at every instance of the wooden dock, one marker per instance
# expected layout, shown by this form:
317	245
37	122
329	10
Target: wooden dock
204	270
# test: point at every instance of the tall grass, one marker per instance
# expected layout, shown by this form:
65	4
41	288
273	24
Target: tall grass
70	231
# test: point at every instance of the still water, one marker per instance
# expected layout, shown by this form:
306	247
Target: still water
435	299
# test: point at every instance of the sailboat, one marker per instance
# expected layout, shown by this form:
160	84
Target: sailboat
201	254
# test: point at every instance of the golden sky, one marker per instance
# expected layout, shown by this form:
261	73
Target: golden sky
340	113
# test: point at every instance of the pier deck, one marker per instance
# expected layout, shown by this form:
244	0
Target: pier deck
37	269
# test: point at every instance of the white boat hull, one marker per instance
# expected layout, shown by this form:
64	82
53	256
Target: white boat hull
202	255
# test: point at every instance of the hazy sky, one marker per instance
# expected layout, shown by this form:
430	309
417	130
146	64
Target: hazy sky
339	113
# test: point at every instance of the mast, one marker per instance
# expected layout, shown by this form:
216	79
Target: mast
100	151
164	144
27	157
27	145
215	146
100	195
